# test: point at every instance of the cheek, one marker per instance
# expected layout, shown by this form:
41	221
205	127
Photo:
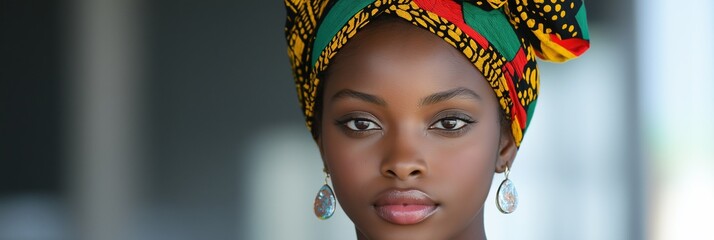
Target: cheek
467	160
467	167
466	170
353	164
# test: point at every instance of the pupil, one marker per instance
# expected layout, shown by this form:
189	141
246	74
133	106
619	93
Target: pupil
448	123
361	125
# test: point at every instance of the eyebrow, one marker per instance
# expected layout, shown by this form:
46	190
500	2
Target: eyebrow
348	93
431	99
449	94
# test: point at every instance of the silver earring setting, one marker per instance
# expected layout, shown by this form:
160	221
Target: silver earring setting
507	196
325	202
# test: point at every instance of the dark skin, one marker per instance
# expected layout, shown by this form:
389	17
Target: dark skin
402	109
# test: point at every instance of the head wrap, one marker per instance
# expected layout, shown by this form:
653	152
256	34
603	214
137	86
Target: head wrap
502	38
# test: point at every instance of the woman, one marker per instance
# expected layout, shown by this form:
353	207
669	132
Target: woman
415	105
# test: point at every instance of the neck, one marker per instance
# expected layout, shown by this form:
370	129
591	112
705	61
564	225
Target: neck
475	230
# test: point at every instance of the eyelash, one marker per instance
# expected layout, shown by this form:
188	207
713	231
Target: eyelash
466	124
353	122
351	119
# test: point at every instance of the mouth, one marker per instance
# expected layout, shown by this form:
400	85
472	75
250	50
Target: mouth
405	207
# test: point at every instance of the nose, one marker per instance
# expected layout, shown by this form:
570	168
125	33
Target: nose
404	158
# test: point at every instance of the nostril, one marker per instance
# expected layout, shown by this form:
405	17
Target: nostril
402	174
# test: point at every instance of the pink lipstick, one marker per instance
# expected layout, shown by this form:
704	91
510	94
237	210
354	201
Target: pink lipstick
404	207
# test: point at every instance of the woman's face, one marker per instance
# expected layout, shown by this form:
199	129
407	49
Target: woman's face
410	135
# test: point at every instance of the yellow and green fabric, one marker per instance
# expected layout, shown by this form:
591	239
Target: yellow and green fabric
502	38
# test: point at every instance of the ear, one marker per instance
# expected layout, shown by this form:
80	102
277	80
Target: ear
506	152
322	154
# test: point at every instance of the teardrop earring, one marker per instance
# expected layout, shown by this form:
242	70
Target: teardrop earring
325	202
507	196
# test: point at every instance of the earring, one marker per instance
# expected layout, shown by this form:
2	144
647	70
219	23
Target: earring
507	197
325	202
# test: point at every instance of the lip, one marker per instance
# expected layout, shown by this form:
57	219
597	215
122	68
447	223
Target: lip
404	207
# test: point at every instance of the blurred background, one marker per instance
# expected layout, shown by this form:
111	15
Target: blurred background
178	120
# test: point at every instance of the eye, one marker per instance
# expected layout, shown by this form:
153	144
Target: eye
449	124
361	124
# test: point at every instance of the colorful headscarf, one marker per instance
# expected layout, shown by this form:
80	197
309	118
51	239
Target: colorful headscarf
502	38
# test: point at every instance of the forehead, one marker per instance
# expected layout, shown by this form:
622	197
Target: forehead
394	54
